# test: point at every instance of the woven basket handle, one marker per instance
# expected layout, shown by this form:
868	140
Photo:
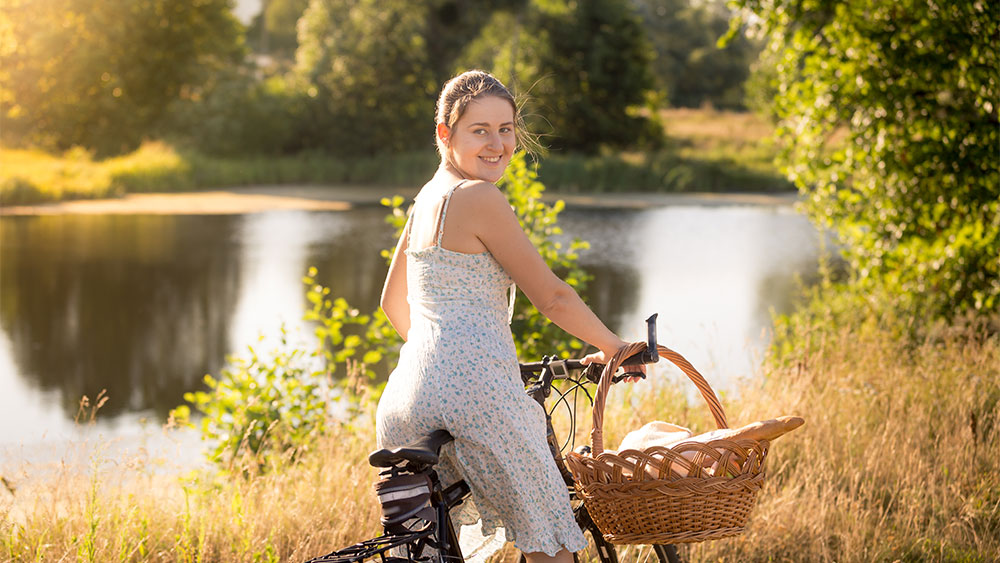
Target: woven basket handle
629	350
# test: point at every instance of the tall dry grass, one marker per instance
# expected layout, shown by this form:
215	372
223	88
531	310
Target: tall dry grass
125	510
899	460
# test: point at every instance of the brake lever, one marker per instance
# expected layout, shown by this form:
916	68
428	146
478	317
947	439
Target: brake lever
627	374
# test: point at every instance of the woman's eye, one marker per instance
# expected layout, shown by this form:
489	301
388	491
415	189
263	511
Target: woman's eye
506	130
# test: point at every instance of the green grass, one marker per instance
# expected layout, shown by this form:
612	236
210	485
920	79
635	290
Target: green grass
706	151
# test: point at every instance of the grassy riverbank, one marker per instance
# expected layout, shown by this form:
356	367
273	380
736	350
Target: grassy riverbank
706	151
897	460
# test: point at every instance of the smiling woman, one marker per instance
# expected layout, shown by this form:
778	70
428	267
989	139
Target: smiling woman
446	294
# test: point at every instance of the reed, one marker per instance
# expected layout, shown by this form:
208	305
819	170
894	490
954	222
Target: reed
28	176
897	461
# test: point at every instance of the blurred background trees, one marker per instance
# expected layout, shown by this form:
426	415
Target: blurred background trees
274	29
350	76
102	73
690	67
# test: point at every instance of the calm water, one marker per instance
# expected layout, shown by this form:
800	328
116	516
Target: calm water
144	306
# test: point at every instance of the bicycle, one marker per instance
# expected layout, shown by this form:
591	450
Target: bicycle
416	523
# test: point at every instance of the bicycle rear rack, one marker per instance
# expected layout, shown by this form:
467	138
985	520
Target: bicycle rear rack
377	547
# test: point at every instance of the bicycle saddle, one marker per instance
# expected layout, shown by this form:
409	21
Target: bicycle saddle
422	452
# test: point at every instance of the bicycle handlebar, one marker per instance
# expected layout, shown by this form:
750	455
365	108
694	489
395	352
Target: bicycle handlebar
559	369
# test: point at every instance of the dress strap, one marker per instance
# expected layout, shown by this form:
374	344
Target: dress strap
409	223
510	304
444	211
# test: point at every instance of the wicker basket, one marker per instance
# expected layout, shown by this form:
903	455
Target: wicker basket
690	492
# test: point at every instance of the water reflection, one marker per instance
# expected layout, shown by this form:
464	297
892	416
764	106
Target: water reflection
144	306
277	248
612	292
91	303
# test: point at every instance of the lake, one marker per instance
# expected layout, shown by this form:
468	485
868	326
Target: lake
145	305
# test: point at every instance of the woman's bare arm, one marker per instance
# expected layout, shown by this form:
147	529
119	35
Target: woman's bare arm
394	292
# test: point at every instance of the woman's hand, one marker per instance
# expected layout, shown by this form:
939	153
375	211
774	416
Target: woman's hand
604	356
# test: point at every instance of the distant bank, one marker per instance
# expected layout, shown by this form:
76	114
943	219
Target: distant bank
338	198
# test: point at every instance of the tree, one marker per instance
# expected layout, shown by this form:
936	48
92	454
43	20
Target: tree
366	62
452	25
100	73
585	65
599	60
889	123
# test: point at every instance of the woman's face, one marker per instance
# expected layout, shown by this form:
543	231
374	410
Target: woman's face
482	140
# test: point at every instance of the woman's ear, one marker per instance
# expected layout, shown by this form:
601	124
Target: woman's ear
443	132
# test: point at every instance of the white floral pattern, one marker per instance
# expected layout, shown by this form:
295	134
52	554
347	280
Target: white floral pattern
458	371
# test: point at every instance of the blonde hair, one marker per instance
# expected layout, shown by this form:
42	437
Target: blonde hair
461	90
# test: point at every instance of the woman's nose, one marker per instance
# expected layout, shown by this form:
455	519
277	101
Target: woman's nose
494	141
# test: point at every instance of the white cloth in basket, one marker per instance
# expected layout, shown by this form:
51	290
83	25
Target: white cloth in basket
669	435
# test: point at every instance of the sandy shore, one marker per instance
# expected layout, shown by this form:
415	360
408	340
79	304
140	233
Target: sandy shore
339	198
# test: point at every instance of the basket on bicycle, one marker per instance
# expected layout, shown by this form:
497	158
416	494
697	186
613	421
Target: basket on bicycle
689	492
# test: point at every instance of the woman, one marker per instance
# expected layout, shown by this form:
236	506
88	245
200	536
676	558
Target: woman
447	295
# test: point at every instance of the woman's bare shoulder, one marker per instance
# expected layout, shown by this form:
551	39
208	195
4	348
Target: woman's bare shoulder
480	193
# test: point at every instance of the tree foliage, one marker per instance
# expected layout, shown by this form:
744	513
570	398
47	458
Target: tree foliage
598	60
366	60
889	122
239	114
100	73
106	75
